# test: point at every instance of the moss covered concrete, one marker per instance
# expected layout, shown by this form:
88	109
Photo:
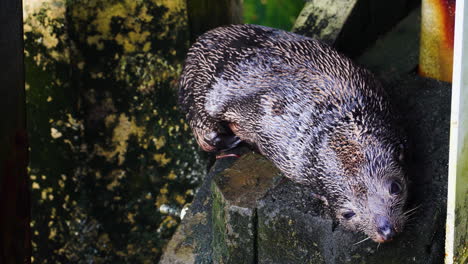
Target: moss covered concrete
112	160
194	234
235	193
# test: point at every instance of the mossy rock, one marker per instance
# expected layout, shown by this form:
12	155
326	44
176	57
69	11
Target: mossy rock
235	193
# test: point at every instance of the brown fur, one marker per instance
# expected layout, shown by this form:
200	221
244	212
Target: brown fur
321	119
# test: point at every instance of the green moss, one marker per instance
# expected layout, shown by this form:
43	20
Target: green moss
102	91
220	250
233	229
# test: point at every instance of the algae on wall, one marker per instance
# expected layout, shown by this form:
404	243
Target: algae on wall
112	160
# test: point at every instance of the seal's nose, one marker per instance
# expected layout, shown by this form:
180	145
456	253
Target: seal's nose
385	228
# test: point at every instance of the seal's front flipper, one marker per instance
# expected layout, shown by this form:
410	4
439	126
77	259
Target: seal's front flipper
222	142
212	141
212	135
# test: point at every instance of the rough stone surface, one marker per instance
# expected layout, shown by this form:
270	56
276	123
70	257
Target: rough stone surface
191	243
235	193
247	180
233	231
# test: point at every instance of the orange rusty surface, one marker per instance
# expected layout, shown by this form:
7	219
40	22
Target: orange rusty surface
447	13
437	35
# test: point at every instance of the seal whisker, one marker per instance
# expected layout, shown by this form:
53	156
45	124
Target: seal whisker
410	219
408	216
413	209
367	238
410	224
409	212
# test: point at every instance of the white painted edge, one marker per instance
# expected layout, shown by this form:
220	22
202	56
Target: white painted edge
459	55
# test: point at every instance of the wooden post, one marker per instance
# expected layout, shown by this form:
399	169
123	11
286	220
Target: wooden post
204	15
456	249
350	25
14	188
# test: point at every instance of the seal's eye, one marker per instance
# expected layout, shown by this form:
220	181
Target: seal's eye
348	215
395	188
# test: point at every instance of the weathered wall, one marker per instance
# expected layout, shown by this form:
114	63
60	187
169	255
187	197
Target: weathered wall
112	160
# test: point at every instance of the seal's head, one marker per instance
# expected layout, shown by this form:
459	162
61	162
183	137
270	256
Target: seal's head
369	188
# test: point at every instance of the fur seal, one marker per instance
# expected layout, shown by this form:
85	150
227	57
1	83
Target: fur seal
321	119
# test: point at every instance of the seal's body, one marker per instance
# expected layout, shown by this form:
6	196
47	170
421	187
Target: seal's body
322	120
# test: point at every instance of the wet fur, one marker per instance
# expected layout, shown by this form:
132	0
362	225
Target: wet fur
321	119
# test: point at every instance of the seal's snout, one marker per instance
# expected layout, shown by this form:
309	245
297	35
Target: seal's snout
385	229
